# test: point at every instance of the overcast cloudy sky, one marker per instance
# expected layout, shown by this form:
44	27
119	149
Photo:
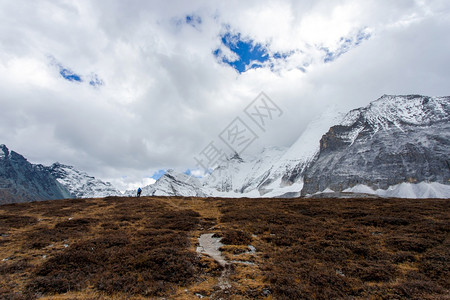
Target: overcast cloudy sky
122	89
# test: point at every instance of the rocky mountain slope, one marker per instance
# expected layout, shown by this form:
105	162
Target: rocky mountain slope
21	181
394	140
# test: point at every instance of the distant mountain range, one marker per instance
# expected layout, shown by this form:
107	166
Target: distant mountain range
21	181
397	146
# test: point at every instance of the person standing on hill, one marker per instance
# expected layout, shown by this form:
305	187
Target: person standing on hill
139	191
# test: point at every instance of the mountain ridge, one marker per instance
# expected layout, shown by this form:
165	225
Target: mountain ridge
22	181
80	184
414	125
394	139
394	146
403	138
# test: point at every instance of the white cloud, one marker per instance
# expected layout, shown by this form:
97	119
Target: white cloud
165	96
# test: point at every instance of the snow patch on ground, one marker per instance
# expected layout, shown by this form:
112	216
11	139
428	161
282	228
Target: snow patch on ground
294	188
327	190
407	190
360	189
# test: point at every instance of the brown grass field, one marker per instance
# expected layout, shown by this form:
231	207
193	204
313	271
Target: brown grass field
139	248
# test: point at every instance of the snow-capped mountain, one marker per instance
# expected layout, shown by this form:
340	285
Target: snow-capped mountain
394	140
276	171
21	181
396	146
173	183
80	184
406	190
285	175
243	174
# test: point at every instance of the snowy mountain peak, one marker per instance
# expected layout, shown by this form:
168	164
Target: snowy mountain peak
394	140
80	184
173	183
181	177
400	110
395	112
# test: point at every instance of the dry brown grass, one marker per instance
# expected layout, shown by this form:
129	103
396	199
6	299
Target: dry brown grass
336	248
144	247
111	246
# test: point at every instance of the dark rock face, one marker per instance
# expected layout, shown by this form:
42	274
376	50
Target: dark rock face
395	139
21	181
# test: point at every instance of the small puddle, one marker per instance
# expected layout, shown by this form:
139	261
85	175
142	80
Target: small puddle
210	246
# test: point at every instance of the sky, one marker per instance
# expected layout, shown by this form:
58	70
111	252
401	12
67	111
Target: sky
125	90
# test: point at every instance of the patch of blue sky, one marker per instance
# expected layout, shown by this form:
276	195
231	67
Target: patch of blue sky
191	20
250	54
362	36
69	74
247	54
158	174
278	60
345	45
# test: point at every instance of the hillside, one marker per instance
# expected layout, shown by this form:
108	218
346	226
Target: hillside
270	248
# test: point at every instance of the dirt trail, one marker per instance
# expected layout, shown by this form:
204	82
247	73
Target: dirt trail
238	271
207	244
210	246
